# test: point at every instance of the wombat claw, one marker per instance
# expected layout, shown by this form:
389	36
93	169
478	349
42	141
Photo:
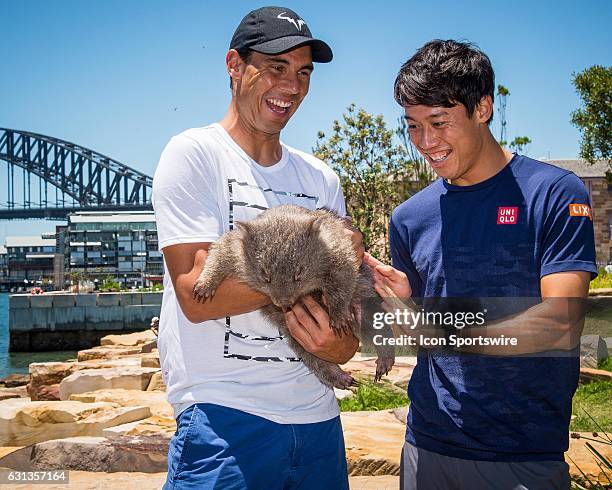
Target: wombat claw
344	380
202	292
383	366
342	326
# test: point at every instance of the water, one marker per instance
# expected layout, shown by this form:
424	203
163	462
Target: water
18	362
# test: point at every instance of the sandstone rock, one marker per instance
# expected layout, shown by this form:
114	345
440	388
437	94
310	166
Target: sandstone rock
149	346
100	454
584	458
130	339
8	450
46	376
150	360
23	422
593	349
373	441
588	374
15	380
155	400
107	352
5	394
129	378
341	394
123	361
366	368
156	383
43	374
46	393
18	392
152	426
401	414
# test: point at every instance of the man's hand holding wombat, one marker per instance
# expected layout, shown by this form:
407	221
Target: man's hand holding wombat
308	323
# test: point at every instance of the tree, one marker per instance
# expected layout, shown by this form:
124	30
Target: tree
502	97
520	143
372	171
594	85
78	278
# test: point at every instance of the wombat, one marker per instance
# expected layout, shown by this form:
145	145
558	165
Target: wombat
288	252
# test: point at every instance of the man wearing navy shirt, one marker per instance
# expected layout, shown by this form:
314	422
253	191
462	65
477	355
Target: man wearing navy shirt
495	225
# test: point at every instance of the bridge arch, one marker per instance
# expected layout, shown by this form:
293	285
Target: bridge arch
79	178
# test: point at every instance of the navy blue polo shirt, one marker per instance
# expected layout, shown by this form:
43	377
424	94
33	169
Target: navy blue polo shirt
494	239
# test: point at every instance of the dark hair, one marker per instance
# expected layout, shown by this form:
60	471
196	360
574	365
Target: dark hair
245	55
445	73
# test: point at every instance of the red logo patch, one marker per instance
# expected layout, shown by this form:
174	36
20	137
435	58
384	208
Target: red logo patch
581	210
507	215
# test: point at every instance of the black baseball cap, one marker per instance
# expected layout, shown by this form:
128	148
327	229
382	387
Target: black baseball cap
274	30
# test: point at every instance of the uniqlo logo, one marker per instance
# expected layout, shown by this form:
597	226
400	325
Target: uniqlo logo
507	215
581	210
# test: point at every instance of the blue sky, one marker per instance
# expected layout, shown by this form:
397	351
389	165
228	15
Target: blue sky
122	77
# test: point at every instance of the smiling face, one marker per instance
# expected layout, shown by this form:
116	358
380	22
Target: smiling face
450	140
268	89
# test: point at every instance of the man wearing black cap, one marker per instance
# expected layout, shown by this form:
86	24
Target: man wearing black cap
249	413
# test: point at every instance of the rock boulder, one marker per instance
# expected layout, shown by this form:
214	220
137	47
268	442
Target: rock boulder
373	441
593	350
128	377
23	422
101	454
130	339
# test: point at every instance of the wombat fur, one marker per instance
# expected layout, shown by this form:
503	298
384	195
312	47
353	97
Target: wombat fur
288	252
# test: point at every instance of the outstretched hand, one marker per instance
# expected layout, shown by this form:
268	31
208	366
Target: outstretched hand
388	281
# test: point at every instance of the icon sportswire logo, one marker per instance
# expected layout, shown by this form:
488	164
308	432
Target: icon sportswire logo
298	23
507	215
581	210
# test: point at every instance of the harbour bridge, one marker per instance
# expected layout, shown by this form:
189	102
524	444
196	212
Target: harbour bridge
48	178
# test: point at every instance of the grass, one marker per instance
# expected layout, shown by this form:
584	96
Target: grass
598	320
593	398
373	396
591	401
606	365
603	280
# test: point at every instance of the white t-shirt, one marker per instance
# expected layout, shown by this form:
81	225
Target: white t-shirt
203	184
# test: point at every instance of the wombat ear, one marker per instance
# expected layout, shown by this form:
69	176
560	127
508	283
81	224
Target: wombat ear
243	227
315	224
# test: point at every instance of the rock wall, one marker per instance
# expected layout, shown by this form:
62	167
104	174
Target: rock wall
68	321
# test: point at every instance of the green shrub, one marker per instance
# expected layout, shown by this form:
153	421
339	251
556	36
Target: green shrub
374	396
603	280
109	284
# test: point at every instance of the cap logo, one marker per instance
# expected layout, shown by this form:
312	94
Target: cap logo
298	23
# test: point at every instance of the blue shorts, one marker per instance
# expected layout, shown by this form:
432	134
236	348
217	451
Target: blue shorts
223	448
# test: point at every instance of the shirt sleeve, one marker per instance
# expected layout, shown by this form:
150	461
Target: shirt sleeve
336	202
401	259
568	239
184	196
